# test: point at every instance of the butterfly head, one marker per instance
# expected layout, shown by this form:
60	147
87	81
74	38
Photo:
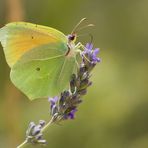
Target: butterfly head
72	37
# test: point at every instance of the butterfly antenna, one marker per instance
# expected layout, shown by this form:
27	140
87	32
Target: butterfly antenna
89	25
87	34
75	28
91	38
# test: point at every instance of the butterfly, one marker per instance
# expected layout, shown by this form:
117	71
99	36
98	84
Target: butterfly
42	59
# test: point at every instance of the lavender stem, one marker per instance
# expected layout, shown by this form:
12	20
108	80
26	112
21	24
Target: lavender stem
22	144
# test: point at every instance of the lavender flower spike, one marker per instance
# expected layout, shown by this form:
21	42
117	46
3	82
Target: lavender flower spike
34	134
66	105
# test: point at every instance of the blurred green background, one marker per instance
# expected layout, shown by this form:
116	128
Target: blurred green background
114	113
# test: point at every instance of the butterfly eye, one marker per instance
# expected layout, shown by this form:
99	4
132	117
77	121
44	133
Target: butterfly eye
71	37
38	69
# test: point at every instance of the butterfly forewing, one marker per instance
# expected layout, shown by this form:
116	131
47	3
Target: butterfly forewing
20	37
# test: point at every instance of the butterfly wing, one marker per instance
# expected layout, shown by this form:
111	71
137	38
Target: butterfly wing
43	75
20	37
36	55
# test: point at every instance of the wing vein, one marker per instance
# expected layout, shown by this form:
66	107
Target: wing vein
48	58
61	70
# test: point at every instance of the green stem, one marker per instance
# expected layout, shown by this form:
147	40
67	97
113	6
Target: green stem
22	144
47	125
42	130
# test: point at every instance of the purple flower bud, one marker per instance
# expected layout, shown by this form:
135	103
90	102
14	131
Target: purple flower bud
82	92
53	101
42	122
39	136
36	130
94	55
96	51
31	125
89	46
71	115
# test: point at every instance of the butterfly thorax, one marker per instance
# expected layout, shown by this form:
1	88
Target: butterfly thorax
71	50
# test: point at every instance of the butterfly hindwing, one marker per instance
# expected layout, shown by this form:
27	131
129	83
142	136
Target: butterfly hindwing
45	74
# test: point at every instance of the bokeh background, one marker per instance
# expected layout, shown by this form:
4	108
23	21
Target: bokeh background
114	113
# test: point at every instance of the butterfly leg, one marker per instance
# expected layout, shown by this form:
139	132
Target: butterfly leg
80	45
